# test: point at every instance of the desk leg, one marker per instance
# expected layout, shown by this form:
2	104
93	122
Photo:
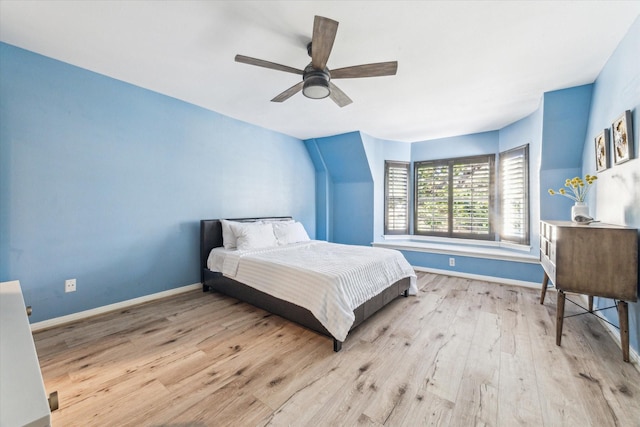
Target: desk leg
543	292
623	316
559	316
590	303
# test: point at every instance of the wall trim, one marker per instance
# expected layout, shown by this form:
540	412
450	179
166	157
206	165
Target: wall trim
485	252
57	321
495	279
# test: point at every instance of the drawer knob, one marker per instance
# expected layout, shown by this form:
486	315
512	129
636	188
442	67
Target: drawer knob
29	310
53	401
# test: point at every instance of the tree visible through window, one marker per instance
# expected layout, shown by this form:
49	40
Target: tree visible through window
432	198
454	197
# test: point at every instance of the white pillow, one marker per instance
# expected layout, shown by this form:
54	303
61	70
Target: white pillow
277	221
253	235
290	233
228	237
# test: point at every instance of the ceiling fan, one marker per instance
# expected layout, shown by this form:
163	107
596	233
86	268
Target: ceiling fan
316	77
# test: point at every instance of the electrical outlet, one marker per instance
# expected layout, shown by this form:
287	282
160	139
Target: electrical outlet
452	262
70	285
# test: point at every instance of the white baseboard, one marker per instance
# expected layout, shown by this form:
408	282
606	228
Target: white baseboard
45	324
480	277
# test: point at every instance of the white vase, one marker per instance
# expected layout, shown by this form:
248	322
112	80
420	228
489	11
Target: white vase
579	209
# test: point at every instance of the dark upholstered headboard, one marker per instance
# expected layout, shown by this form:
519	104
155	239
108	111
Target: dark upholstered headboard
211	234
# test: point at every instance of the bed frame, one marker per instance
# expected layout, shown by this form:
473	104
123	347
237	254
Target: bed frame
211	237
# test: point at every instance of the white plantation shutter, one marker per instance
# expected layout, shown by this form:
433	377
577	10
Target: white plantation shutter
454	197
514	195
396	198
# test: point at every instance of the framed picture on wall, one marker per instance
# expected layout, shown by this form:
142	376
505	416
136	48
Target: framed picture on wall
602	150
622	133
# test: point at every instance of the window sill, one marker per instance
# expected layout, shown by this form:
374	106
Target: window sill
460	247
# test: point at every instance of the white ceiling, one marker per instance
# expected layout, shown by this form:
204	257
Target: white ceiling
463	66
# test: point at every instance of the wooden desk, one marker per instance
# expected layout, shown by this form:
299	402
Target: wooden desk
594	260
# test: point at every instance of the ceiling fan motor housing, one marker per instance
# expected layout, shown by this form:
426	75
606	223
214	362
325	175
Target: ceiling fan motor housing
316	83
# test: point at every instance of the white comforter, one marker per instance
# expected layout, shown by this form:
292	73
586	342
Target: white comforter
328	279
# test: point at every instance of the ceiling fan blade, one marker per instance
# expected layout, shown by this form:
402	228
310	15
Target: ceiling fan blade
288	93
366	70
324	34
338	96
267	64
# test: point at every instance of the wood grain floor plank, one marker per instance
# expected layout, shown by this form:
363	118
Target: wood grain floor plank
477	398
437	310
311	403
559	398
599	393
518	401
462	352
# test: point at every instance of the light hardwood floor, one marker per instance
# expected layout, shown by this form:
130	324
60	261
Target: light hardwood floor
461	353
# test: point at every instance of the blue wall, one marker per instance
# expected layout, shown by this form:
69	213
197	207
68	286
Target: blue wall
324	190
566	115
617	196
106	182
511	270
378	151
341	164
456	146
529	131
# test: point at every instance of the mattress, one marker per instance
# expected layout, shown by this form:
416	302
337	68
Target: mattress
328	279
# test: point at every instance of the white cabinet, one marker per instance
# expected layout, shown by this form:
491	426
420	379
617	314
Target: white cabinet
23	400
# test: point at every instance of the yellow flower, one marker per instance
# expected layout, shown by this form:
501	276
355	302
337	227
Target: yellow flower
578	187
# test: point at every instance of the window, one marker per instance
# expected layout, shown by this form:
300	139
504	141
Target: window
396	197
454	197
461	197
514	195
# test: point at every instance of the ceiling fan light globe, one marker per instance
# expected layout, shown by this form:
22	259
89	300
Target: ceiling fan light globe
316	88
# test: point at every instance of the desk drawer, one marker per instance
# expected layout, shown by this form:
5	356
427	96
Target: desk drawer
549	268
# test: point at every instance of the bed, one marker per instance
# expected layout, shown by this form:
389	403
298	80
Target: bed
224	270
